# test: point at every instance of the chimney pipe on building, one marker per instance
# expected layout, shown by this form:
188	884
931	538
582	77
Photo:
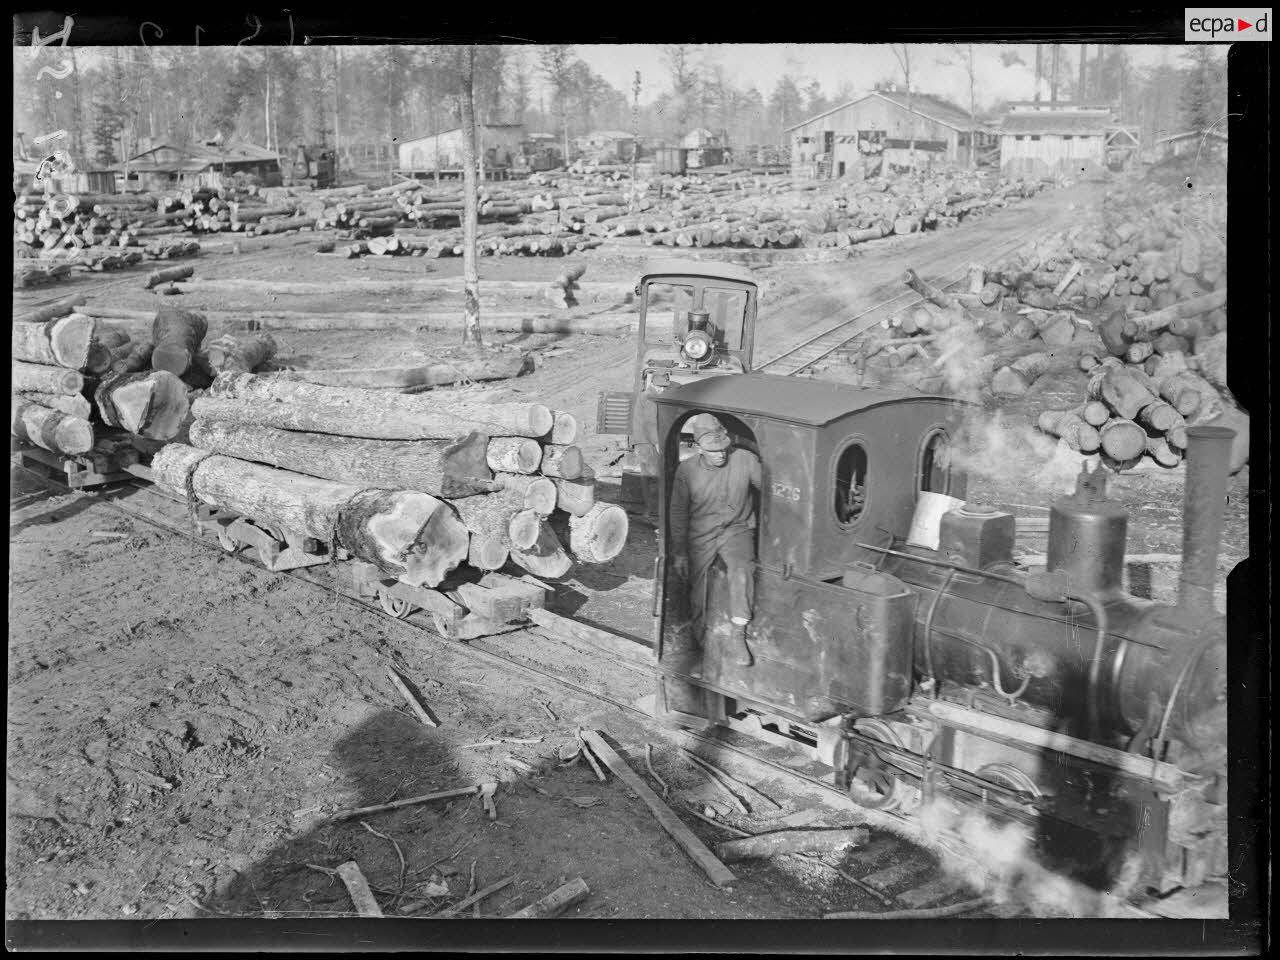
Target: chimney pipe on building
1208	464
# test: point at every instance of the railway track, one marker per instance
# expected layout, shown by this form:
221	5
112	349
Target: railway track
898	869
795	359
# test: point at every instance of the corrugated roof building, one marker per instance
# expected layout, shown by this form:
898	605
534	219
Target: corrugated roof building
878	129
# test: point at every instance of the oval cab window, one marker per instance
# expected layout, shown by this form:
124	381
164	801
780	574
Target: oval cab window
851	483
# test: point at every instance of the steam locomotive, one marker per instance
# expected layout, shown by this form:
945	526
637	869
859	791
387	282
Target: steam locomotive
915	660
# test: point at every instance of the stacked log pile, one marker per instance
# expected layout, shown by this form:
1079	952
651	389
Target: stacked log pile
76	376
1148	274
544	215
509	477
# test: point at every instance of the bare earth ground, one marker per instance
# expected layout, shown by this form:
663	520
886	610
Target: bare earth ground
177	718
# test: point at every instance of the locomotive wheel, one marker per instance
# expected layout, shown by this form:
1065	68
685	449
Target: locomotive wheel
878	789
1007	775
394	606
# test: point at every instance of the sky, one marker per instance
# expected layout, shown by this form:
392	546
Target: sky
860	65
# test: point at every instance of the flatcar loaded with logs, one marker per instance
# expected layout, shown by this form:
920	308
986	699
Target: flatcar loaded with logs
895	641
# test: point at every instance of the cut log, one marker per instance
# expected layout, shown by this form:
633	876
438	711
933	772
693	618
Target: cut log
1170	343
555	903
763	846
514	455
138	358
165	276
1153	323
1094	413
407	535
1161	452
366	413
1183	390
563	462
442	468
53	311
72	406
1139	351
1070	428
50	429
567	429
539	493
991	294
42	378
151	404
490	517
1055	329
1122	440
1015	379
500	366
63	342
486	554
576	497
1120	390
546	557
599	534
524	530
177	335
243	354
1159	417
109	344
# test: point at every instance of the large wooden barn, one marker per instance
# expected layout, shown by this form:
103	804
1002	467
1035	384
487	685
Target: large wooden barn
1043	139
878	129
499	145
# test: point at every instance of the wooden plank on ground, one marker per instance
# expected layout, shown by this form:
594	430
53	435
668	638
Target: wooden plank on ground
359	890
935	891
718	873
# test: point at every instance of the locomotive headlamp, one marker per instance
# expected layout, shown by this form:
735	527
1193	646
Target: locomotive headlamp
697	346
697	343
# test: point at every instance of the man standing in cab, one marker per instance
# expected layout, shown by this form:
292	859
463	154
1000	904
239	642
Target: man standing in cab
713	515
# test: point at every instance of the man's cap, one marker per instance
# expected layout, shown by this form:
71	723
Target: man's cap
709	433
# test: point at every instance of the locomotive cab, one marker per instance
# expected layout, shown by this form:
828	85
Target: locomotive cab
831	633
697	321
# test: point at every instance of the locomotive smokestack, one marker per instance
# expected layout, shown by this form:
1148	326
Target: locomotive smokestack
1208	462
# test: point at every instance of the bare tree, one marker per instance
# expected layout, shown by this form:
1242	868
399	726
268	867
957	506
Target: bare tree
556	60
684	78
1053	73
902	53
1039	69
964	56
470	206
1081	94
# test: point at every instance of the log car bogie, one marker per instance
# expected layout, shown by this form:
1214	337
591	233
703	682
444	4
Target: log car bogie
923	666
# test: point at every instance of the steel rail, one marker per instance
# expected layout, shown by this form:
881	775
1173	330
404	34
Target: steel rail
845	337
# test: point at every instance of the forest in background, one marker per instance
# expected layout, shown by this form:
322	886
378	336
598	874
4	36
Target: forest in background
115	102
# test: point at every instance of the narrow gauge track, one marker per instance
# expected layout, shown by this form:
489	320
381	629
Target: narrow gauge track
794	359
907	853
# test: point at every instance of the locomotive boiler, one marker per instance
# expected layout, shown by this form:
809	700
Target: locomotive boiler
910	654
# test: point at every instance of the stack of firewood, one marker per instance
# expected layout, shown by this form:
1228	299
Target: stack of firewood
415	484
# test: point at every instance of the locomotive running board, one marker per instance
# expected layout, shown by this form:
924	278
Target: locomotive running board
1165	775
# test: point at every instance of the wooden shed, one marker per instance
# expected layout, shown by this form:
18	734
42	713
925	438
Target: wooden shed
1042	139
499	146
170	165
878	130
1193	142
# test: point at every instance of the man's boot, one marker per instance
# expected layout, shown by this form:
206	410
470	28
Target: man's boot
738	639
